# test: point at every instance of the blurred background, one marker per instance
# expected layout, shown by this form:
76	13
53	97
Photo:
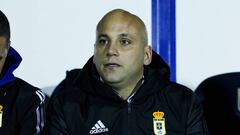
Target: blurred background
58	35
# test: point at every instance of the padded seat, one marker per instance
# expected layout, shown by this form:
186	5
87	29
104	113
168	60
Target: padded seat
220	97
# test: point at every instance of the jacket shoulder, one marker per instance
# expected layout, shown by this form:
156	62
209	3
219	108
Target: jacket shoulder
29	106
26	92
21	84
71	77
179	95
175	89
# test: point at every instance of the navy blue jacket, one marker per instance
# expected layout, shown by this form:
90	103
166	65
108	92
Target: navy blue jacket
21	104
83	105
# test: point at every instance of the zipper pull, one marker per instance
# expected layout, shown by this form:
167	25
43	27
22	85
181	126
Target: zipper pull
129	104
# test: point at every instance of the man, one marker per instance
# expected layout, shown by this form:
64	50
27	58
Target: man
21	104
124	89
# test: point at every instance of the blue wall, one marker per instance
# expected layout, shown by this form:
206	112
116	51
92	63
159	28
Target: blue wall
164	32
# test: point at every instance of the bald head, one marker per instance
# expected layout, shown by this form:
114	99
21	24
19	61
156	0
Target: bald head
120	15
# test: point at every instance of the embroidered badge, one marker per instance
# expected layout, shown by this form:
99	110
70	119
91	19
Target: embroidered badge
1	114
159	123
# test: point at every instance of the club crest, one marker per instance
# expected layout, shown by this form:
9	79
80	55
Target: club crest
159	123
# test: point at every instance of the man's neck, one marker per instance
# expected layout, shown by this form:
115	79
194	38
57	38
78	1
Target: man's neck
128	91
124	93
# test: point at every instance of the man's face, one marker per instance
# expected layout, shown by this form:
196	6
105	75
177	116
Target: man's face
3	51
120	53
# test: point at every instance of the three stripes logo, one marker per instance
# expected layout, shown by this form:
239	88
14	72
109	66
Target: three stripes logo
98	128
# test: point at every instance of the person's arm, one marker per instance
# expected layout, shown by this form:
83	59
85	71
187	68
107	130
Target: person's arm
55	124
55	120
196	124
32	114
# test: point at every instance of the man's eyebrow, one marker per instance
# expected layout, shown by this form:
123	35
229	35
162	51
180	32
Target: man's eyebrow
102	35
124	35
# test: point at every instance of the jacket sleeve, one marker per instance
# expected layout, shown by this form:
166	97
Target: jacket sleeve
196	124
31	116
55	124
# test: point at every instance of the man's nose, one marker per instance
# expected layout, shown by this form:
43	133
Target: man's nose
112	50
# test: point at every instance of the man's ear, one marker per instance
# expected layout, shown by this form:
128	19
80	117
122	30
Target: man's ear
148	55
8	44
6	51
7	48
94	59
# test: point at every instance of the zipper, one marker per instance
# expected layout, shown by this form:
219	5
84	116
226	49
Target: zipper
129	103
129	111
129	108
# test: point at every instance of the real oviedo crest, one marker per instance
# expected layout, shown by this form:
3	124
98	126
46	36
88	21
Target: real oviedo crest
159	123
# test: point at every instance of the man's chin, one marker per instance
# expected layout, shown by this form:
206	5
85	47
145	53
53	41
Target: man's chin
111	80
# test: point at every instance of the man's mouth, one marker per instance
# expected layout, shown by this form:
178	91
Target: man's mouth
111	65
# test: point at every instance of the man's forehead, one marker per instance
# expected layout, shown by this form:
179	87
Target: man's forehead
121	27
121	21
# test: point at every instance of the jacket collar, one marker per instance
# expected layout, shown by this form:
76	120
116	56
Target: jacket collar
156	76
13	60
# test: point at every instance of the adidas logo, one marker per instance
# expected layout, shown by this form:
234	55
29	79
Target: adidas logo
98	128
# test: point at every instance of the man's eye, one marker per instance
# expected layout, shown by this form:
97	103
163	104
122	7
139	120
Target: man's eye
102	41
125	42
